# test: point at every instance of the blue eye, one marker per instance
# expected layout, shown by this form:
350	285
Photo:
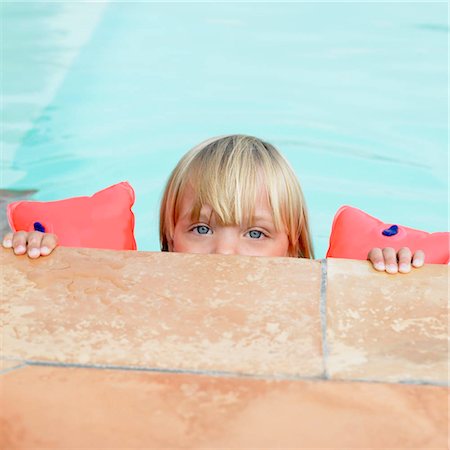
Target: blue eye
255	234
202	229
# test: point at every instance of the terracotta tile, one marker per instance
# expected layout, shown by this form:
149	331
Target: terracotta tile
48	407
387	327
165	310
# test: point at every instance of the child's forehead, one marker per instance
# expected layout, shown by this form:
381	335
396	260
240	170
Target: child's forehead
190	204
189	196
191	190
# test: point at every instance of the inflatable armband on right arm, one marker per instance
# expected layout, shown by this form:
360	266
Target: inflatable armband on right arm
354	233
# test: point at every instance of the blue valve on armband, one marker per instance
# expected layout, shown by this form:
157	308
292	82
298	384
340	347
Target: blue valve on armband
39	227
391	231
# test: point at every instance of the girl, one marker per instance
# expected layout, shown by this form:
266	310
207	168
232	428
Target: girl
232	195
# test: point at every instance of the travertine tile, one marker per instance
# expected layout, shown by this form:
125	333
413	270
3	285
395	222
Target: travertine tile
387	327
164	310
48	407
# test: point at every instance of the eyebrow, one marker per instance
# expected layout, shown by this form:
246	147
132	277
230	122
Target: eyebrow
267	219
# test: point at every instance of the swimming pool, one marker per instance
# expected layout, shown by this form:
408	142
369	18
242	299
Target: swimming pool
354	95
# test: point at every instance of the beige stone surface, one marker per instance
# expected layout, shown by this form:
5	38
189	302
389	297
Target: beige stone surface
387	327
163	310
55	408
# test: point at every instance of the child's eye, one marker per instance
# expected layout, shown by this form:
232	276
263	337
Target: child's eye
201	229
256	234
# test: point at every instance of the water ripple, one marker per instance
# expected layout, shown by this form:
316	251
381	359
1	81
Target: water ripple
439	27
351	151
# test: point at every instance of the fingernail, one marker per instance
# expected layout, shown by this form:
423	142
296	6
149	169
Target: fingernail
19	249
391	268
45	251
34	252
379	266
7	243
417	263
404	267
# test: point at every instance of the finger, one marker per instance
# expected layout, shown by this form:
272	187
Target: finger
390	260
418	258
48	244
7	240
19	242
375	256
34	244
404	260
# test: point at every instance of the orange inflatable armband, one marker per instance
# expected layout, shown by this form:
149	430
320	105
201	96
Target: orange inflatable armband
104	220
354	233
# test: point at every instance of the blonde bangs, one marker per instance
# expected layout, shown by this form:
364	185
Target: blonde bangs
228	173
225	177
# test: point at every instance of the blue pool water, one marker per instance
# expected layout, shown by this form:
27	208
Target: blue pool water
354	94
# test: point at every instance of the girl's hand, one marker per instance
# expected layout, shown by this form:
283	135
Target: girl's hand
387	259
34	243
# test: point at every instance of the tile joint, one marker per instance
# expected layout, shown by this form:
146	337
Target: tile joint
20	365
323	316
215	373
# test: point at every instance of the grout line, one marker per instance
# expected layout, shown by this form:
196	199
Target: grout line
20	365
403	382
323	316
217	373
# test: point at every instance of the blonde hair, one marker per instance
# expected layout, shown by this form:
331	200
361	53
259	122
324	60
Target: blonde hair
225	173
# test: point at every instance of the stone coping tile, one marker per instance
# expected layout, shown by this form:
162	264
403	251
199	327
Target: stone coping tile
164	310
48	407
387	327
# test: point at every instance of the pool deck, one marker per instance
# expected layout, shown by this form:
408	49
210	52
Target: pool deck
161	350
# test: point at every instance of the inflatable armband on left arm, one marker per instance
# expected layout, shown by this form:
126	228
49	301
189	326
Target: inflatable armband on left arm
104	220
354	233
